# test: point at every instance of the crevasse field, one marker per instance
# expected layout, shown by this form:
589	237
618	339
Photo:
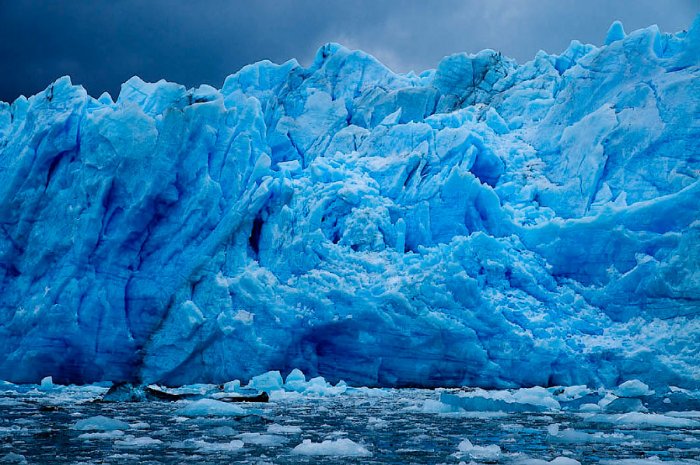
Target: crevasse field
509	228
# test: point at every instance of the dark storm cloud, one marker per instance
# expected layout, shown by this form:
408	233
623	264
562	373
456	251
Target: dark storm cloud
101	43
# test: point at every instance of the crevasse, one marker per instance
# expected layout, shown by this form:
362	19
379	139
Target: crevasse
485	223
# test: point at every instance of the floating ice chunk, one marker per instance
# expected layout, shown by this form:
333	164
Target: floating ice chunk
571	435
222	431
435	406
536	396
639	420
13	458
654	460
555	461
318	384
231	446
283	429
591	408
685	414
296	381
521	400
122	457
570	393
607	400
260	439
270	381
210	407
101	435
340	447
277	396
491	452
132	442
100	423
377	423
46	383
624	405
232	386
633	388
195	389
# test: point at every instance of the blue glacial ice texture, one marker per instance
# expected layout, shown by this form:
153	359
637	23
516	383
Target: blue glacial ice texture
484	223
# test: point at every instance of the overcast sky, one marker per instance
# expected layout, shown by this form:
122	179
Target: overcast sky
101	43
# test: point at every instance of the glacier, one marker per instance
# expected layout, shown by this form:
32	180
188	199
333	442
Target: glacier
485	223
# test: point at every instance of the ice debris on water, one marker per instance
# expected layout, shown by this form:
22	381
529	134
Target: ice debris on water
261	439
633	388
555	461
343	447
46	383
231	446
100	423
210	407
283	429
490	453
133	442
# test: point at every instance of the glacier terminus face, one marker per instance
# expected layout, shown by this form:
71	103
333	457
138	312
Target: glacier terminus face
485	223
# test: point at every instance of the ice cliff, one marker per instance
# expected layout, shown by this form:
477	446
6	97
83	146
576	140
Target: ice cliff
486	223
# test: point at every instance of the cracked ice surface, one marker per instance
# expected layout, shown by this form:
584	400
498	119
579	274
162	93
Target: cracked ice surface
486	223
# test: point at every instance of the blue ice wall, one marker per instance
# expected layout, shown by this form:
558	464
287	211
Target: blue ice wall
484	223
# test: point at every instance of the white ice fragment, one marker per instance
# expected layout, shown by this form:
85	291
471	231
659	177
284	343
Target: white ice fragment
591	408
377	423
653	460
232	446
210	407
260	439
232	386
490	452
571	435
573	392
638	419
100	423
13	458
132	442
296	381
101	435
435	406
685	414
283	429
633	388
340	447
46	383
520	400
555	461
270	381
